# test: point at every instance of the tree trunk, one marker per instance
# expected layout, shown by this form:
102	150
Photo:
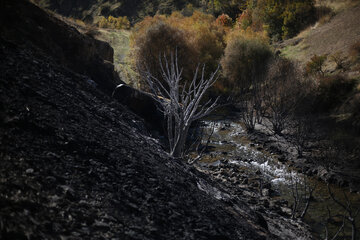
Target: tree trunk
180	146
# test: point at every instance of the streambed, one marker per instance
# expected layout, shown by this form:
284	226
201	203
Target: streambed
229	143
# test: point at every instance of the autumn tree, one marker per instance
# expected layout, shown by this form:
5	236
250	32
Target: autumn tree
281	19
154	36
244	56
296	16
224	20
232	8
114	23
244	20
198	39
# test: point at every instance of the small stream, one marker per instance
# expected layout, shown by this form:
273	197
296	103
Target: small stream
229	142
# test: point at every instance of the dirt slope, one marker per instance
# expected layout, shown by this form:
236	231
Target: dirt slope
76	164
25	24
337	35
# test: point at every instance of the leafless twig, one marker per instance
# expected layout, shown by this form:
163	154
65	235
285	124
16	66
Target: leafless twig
180	104
203	149
301	196
351	213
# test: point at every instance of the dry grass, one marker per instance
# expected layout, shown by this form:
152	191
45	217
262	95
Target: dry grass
335	36
358	88
354	51
337	6
119	40
325	19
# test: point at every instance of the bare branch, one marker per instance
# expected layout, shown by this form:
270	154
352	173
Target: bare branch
349	214
181	107
200	154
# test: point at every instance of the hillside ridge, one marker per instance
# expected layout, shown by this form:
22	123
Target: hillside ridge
76	164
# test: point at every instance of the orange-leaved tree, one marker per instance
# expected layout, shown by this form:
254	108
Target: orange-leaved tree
245	56
197	39
153	38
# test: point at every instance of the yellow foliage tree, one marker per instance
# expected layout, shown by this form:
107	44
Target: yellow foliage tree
198	39
114	23
246	54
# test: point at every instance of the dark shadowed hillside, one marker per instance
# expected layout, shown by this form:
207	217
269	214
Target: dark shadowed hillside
24	23
75	164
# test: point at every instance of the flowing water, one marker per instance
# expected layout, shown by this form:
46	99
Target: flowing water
229	142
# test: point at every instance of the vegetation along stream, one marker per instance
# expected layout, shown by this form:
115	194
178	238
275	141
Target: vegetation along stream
113	122
229	143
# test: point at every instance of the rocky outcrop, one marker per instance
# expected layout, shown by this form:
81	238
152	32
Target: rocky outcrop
252	188
27	24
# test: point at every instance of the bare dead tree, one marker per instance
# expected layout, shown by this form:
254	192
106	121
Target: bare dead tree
282	92
302	193
201	150
331	156
248	114
307	196
253	107
259	105
180	104
350	212
196	138
302	132
340	229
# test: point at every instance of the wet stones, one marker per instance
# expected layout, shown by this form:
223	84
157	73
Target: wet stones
248	185
257	192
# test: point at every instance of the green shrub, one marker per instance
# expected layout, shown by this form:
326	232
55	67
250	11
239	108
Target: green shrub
296	16
217	7
281	19
198	39
271	12
243	60
188	10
